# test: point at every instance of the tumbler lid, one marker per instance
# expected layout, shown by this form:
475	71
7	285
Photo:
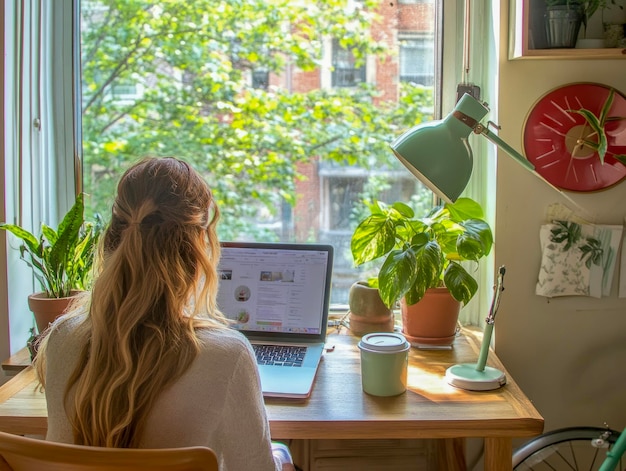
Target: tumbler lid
384	342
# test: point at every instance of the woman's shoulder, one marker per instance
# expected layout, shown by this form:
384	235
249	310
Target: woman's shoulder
66	337
222	338
224	343
66	326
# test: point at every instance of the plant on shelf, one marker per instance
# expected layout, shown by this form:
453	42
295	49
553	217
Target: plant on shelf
597	139
562	22
588	8
61	259
422	253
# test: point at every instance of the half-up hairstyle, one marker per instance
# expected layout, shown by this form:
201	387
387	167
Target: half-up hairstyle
157	284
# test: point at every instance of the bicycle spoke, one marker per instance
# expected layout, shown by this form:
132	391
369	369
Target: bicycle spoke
566	461
594	460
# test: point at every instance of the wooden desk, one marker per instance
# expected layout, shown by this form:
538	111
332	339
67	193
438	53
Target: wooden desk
338	408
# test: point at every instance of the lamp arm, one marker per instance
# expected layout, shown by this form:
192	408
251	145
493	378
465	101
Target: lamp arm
481	129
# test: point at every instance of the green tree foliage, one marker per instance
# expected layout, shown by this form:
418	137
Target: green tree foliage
193	61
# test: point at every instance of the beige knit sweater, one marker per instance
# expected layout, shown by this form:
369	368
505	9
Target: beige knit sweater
216	403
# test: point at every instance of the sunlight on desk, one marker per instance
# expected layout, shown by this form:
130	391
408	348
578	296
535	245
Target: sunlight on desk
427	381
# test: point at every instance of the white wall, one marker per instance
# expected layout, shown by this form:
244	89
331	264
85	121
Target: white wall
567	354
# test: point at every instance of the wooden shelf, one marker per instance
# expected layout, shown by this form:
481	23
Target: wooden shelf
528	14
606	53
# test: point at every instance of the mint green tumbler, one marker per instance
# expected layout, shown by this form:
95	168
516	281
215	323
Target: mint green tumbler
384	363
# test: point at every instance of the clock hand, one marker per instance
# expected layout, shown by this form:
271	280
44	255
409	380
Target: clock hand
578	146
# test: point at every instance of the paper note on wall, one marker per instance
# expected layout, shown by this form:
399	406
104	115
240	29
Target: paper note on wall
578	259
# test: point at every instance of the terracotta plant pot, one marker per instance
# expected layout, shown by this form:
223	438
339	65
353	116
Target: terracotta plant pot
367	311
433	320
46	309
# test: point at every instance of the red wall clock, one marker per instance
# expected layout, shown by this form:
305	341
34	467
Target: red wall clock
552	138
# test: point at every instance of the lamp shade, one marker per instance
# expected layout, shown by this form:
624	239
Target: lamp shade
438	152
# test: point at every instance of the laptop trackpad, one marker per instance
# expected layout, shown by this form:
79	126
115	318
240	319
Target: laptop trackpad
286	381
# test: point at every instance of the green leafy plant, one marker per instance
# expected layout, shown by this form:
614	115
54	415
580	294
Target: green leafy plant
61	259
597	139
422	253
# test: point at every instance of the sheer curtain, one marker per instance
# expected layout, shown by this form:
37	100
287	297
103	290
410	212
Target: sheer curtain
21	145
482	71
38	110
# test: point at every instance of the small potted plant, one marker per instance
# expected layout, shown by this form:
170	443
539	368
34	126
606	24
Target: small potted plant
61	261
563	19
422	259
588	9
367	312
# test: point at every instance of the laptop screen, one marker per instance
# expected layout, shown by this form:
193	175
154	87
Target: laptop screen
274	289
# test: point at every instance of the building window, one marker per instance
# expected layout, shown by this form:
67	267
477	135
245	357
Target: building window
417	58
261	79
345	71
343	193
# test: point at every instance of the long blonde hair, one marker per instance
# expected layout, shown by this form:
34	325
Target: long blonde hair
157	284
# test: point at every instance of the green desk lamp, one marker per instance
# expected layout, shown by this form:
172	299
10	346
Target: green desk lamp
439	155
438	152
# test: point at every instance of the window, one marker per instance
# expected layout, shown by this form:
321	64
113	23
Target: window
260	79
416	59
346	72
126	93
240	93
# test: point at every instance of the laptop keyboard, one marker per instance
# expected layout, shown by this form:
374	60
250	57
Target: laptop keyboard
280	355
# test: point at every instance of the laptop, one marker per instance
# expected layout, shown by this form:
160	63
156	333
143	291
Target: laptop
277	295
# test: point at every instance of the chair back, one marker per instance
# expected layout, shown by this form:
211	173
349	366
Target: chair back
31	454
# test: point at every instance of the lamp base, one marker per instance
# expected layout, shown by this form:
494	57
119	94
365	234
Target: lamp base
466	376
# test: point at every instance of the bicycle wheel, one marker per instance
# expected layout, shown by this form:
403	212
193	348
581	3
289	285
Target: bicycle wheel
571	449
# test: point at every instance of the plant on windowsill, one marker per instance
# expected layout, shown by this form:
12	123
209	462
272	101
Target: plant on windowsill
597	139
61	260
367	312
422	260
